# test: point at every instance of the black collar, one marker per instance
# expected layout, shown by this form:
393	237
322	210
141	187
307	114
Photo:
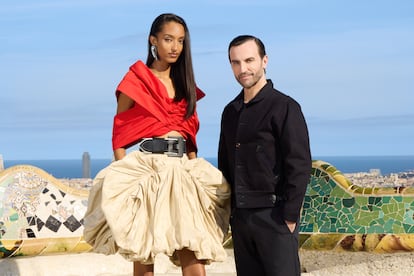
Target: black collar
239	100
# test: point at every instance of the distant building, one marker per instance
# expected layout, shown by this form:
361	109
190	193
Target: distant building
376	172
86	165
1	163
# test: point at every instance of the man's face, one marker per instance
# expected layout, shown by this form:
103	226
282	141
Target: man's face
246	63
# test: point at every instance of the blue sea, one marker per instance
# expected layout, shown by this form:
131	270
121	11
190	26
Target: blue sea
346	164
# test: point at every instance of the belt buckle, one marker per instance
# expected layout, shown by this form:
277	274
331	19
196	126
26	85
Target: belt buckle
179	151
141	148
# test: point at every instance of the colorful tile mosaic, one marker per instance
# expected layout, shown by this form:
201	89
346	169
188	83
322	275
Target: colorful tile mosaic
339	215
334	205
34	207
41	215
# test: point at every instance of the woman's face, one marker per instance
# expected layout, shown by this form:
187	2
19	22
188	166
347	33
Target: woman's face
169	42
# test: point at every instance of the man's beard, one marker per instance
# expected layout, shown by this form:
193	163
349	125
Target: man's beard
249	85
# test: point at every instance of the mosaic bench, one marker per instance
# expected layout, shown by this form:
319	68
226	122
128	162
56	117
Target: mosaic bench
41	215
338	215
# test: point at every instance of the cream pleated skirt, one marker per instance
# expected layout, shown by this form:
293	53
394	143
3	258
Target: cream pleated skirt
146	204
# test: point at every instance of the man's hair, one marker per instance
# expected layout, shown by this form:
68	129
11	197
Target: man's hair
239	40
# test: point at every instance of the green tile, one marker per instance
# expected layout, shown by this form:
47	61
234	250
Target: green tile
375	229
348	202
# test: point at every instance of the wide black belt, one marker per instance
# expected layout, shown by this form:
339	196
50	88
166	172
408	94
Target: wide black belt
171	146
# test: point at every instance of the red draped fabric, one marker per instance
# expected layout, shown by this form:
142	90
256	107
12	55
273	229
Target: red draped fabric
154	113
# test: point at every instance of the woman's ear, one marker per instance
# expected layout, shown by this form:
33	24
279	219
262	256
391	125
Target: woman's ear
153	40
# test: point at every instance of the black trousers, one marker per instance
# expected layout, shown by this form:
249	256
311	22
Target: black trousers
263	244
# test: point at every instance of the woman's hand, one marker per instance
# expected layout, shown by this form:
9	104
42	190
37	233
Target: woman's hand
119	153
191	155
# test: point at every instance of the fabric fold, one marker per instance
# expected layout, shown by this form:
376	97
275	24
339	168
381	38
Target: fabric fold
154	113
163	204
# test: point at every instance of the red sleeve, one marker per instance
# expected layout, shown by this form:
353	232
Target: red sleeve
200	93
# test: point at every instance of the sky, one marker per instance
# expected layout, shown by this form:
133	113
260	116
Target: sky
349	63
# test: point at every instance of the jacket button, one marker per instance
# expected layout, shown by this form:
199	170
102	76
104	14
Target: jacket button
237	145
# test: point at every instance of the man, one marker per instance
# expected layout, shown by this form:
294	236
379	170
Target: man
264	154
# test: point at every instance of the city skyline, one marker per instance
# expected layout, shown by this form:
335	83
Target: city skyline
349	64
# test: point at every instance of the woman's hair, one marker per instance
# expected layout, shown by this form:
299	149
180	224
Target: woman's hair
182	73
244	38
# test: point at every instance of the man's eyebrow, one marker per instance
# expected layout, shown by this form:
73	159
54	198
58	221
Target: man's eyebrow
245	59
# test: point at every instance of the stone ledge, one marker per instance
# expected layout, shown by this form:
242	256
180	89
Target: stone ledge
92	264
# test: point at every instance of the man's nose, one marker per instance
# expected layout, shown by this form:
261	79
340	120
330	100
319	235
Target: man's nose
243	67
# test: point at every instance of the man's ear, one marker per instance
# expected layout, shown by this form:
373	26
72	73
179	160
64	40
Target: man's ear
265	60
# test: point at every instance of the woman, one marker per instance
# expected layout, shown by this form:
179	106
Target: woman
159	198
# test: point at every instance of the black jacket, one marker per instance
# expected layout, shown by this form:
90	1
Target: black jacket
264	151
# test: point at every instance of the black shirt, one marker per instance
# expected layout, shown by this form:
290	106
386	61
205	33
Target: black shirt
264	151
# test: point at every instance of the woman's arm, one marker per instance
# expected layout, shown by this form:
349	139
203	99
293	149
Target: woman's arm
124	103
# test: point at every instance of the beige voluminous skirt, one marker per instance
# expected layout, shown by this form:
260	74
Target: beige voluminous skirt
146	204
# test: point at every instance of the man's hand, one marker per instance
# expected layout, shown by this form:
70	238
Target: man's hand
291	225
